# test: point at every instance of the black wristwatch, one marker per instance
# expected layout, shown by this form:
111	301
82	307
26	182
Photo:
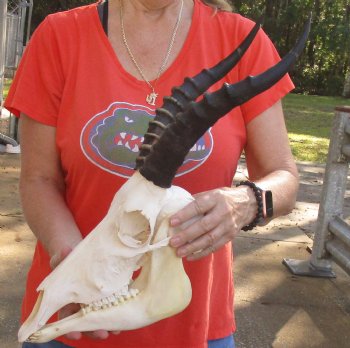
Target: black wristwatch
267	203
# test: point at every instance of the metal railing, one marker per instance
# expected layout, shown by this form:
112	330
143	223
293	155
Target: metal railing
15	19
332	233
19	14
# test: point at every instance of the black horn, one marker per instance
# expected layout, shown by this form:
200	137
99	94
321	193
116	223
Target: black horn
190	90
169	149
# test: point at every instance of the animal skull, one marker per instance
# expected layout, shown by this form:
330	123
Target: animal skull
97	274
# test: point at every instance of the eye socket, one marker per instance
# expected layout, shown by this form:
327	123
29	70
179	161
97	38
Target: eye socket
128	120
134	230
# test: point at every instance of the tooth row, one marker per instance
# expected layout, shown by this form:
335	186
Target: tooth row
113	300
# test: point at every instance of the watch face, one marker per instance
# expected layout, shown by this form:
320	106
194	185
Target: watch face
268	203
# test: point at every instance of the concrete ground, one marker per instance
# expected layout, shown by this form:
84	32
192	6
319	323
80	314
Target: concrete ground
273	307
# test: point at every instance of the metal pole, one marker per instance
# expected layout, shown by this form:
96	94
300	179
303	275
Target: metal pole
331	206
340	229
334	186
29	22
3	16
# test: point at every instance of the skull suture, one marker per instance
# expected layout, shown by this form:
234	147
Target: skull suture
135	232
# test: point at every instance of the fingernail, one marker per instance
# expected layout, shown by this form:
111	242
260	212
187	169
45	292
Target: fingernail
182	252
175	241
174	221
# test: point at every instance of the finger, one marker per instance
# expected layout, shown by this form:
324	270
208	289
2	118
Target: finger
207	251
56	259
67	311
97	334
74	335
200	206
199	227
201	243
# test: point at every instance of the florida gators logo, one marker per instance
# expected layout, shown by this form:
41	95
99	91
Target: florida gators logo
112	139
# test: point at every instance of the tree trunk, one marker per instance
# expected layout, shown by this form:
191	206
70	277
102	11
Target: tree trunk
63	4
346	91
269	8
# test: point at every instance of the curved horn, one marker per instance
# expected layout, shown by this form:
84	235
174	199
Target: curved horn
189	91
169	151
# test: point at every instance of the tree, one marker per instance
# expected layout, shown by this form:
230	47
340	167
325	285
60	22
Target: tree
346	91
44	7
326	61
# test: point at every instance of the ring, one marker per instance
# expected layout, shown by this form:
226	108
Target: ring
211	239
199	210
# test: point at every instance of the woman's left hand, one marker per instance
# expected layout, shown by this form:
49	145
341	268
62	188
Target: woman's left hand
218	216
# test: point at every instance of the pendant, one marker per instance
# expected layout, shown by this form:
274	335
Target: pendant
151	98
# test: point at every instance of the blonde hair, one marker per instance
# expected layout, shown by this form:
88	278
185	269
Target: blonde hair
222	5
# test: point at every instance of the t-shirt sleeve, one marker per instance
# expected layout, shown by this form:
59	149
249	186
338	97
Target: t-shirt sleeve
261	56
38	84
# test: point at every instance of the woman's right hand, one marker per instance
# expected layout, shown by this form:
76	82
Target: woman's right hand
72	308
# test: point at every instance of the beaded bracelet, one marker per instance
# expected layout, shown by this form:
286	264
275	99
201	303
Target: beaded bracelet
258	195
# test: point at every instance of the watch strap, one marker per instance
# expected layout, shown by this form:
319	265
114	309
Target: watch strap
258	192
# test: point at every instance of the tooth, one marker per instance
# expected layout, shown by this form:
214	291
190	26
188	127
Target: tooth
127	145
120	142
116	295
136	149
123	135
134	137
111	298
134	292
194	147
104	303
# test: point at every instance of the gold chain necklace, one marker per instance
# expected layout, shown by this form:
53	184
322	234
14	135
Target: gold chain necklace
151	98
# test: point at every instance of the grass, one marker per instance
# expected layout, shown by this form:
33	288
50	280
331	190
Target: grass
309	122
7	84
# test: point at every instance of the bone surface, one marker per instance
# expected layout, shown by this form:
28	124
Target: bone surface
98	273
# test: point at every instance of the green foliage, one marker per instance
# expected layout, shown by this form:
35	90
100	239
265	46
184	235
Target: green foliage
326	60
7	84
309	121
44	7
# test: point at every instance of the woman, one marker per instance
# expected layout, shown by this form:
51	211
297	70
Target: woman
76	86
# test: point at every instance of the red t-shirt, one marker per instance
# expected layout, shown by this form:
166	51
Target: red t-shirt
70	78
